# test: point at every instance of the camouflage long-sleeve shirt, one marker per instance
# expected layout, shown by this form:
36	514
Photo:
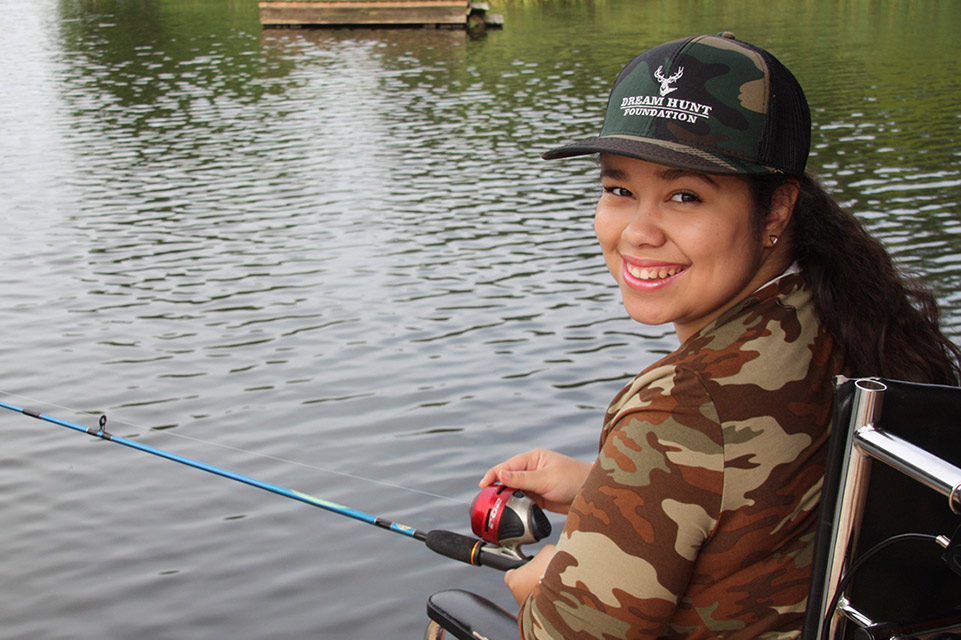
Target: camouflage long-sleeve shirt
697	520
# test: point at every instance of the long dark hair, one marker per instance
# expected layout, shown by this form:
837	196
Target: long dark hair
885	322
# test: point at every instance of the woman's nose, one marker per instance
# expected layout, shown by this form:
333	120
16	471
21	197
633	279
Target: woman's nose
644	226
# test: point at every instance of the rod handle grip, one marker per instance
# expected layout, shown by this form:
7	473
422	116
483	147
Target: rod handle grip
469	550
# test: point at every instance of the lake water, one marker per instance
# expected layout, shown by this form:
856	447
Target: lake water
332	260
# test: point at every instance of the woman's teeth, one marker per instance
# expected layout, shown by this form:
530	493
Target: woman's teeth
653	273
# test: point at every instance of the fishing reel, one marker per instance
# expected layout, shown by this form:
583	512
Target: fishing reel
507	518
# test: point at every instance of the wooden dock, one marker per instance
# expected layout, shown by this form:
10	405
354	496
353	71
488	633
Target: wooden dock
364	12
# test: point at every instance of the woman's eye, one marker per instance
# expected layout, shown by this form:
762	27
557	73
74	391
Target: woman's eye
685	197
620	192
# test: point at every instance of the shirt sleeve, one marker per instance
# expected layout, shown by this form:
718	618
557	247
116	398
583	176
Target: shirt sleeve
632	537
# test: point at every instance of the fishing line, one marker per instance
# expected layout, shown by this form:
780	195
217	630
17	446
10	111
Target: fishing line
147	430
448	543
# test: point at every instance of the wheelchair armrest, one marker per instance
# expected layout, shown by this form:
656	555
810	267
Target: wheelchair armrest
469	616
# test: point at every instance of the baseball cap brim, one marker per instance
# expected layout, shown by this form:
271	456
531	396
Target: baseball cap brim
672	154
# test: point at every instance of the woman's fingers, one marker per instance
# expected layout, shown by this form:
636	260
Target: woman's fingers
521	581
520	462
549	478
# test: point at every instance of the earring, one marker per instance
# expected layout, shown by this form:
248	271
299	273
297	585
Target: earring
773	239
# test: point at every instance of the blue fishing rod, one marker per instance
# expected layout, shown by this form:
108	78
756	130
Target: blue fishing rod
508	522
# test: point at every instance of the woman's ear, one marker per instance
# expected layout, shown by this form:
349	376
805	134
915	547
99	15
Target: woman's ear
782	208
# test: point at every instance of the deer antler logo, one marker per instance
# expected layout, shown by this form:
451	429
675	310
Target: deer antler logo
666	87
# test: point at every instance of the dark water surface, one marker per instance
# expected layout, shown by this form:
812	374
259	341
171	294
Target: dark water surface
332	260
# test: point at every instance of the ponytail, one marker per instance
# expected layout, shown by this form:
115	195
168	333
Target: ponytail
885	323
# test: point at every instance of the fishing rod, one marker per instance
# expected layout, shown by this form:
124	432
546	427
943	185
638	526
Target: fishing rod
504	518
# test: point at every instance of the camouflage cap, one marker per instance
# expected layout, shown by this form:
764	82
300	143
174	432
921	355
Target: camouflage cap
707	103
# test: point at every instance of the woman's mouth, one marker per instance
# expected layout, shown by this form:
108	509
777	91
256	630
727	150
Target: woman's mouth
653	273
650	277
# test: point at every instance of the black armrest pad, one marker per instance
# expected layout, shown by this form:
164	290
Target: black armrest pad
462	613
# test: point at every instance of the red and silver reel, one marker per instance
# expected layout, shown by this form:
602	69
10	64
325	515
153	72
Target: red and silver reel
507	518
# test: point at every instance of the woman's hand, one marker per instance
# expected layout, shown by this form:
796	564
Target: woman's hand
521	580
549	478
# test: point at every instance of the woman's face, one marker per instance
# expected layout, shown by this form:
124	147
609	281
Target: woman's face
681	245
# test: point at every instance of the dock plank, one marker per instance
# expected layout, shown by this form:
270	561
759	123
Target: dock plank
362	12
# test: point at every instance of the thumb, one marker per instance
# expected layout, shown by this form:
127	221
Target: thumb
509	477
526	480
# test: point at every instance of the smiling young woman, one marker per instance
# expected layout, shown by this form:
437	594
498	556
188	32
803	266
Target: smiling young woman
696	520
683	245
